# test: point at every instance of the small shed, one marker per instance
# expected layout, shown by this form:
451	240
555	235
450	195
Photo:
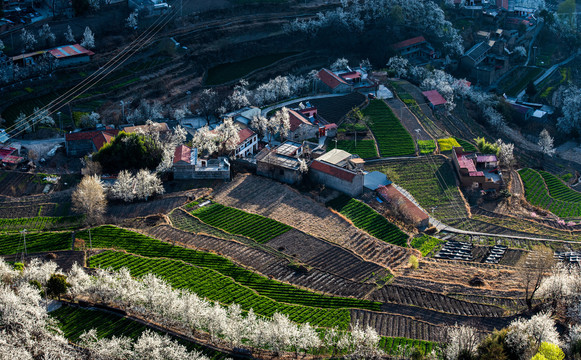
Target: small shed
435	99
374	180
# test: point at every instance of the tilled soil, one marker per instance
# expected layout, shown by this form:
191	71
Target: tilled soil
271	199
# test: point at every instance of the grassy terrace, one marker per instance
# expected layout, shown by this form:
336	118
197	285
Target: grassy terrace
318	310
39	223
224	73
430	180
467	146
74	321
426	243
365	148
41	242
392	138
365	218
234	221
427	146
447	144
549	192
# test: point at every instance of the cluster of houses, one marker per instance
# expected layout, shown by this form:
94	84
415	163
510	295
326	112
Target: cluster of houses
478	171
67	55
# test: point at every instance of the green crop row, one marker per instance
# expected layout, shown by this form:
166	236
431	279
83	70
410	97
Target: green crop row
403	346
214	286
113	237
558	189
392	138
425	243
35	242
256	227
74	321
467	146
39	223
427	146
537	193
364	217
365	148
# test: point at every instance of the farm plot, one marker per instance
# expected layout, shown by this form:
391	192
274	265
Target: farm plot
39	242
430	180
400	346
467	146
224	73
18	184
104	237
397	326
538	187
333	109
426	243
392	138
39	223
325	256
280	202
365	218
318	277
427	146
402	295
365	148
256	227
184	221
447	144
212	285
74	321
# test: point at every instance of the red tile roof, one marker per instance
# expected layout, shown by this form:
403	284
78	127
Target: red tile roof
69	51
434	97
486	158
12	159
5	151
391	193
89	135
408	42
182	153
331	126
102	139
476	173
296	119
351	75
334	171
244	134
466	163
330	79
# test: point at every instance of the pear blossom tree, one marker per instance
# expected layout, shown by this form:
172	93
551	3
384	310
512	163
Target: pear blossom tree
88	39
398	65
28	40
147	184
69	35
123	188
90	120
571	106
546	143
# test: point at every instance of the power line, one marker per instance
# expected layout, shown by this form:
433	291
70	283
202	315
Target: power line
100	74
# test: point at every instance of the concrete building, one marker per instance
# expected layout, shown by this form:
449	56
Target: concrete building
69	55
302	126
478	171
187	165
248	143
281	163
339	170
484	65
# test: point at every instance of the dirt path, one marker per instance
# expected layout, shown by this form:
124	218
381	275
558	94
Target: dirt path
408	119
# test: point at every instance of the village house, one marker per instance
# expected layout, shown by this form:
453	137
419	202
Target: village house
247	144
435	100
67	55
187	165
281	163
244	116
402	204
477	170
302	125
339	170
345	81
85	142
417	50
484	65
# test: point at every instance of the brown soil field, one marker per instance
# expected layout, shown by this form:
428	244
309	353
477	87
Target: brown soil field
64	259
280	202
263	262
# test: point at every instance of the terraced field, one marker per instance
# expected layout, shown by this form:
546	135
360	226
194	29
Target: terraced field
74	321
282	203
364	148
392	138
39	223
113	237
347	281
467	146
397	325
426	243
427	146
430	180
365	218
39	242
256	227
323	311
549	192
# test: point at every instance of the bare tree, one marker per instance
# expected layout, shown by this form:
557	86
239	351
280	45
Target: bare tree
91	167
208	103
533	269
90	120
89	199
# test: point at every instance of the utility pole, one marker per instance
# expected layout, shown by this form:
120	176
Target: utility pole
122	111
23	232
60	121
